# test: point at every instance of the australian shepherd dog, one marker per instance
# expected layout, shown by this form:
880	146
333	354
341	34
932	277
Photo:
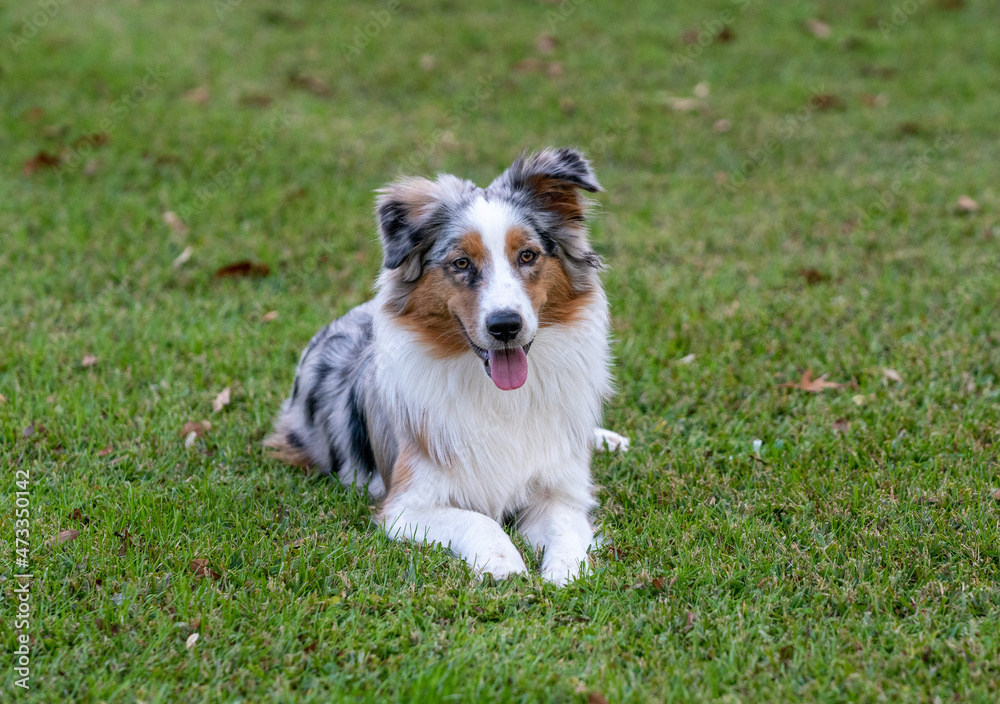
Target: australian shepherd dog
467	394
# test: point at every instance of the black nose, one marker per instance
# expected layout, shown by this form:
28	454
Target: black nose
504	325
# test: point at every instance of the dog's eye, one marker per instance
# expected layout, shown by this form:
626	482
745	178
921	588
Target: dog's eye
461	263
527	256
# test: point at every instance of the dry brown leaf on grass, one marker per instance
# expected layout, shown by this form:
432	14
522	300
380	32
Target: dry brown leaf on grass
427	62
199	95
694	35
221	400
967	205
545	43
810	384
106	451
183	257
879	100
244	267
841	425
88	360
996	495
826	101
683	104
596	698
269	316
313	84
193	430
3	399
819	28
174	222
813	276
63	537
41	160
892	375
201	569
191	640
199	428
529	65
256	100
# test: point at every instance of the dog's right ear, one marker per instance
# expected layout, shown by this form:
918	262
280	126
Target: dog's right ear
410	213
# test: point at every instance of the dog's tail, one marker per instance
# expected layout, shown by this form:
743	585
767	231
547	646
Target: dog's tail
286	446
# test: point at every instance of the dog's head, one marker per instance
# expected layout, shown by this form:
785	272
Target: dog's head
474	270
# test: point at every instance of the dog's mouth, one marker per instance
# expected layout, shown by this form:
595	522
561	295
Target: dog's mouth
506	367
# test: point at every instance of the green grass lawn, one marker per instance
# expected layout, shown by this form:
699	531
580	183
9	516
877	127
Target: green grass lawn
778	201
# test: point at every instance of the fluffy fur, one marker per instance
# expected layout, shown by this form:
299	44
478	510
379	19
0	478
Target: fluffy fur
469	390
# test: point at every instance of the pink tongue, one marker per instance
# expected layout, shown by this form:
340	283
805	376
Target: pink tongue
509	368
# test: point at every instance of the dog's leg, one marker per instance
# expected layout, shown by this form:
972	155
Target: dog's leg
607	441
416	515
564	530
475	538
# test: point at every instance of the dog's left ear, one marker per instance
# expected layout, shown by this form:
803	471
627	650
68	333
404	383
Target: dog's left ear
550	182
552	177
410	213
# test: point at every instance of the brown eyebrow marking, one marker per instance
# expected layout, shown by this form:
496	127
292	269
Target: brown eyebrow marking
517	238
472	244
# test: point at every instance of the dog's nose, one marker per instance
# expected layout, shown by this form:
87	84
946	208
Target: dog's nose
504	324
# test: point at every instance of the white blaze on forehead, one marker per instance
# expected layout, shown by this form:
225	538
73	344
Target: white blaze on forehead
492	220
502	289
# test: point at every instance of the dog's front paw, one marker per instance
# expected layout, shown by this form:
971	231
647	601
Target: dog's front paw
607	441
561	571
503	565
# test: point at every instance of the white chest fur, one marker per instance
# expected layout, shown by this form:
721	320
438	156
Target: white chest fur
497	447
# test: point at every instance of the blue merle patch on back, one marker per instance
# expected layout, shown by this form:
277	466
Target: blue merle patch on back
325	421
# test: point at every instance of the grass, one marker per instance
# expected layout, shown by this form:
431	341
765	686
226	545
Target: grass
852	555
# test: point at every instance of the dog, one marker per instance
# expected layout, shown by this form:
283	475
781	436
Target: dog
467	394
